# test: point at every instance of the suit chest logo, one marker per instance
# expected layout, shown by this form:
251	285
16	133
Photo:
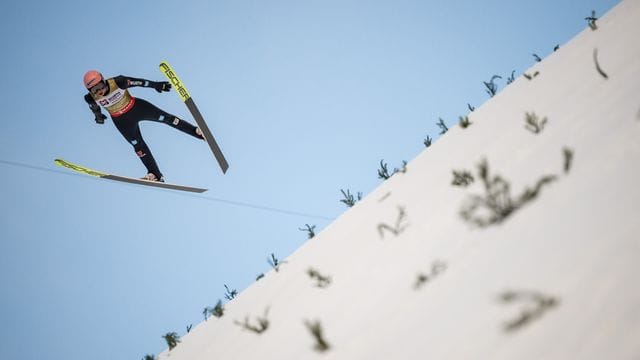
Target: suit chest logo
112	98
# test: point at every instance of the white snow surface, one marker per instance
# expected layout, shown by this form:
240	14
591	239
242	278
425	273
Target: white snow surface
577	244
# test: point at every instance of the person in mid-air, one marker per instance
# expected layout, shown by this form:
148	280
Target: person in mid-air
127	111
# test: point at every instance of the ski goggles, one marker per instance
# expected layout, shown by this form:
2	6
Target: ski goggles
99	86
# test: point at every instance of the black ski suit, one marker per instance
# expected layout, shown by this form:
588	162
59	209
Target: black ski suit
127	111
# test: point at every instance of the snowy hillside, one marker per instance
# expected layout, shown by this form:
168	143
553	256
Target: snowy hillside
537	259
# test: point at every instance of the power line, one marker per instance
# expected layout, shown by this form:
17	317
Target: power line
258	207
201	197
33	167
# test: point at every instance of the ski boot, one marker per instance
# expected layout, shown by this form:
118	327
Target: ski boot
152	177
199	133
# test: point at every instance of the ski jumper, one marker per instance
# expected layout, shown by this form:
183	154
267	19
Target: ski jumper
127	111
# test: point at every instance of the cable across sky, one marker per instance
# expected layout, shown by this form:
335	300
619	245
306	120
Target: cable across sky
201	197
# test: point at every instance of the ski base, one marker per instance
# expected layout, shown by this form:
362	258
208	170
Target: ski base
182	92
84	170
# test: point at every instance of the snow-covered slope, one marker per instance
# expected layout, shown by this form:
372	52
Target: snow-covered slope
554	278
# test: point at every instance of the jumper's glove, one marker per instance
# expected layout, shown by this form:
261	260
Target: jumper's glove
162	86
100	118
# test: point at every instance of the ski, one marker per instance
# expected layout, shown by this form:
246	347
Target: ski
182	92
84	170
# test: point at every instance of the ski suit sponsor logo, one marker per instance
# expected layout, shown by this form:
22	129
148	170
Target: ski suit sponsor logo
118	101
111	98
136	83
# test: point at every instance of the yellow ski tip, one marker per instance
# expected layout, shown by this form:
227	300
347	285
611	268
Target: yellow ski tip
78	168
168	72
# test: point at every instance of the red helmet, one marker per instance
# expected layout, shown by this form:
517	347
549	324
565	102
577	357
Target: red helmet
91	78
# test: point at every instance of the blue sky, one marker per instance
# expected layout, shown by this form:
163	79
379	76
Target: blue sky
304	97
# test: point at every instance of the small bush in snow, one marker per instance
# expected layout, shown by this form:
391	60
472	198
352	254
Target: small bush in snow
383	172
568	159
315	328
462	178
464	122
230	294
275	263
437	268
310	229
399	226
533	123
497	203
321	280
428	141
172	340
592	20
598	68
535	304
490	87
349	199
443	127
262	324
